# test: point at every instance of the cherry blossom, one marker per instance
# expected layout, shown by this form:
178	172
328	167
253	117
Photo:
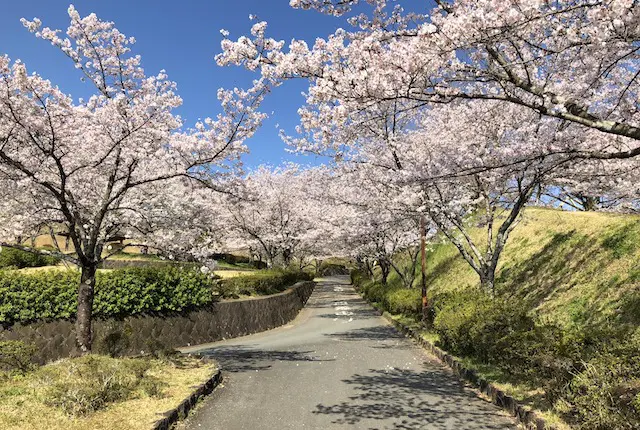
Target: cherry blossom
100	167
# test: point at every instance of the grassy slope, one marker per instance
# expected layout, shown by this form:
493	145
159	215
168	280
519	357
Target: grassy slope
574	267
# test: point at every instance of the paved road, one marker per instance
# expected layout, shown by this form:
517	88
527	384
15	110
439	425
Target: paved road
338	365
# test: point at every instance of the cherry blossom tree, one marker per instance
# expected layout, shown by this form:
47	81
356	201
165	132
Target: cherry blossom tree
363	220
462	164
98	167
573	65
574	60
273	215
602	185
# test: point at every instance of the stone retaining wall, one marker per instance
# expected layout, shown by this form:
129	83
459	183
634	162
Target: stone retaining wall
222	320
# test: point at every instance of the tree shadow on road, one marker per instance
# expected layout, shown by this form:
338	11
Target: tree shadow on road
407	399
329	300
383	336
352	313
244	358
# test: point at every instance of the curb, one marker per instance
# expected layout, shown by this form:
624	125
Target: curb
180	412
498	397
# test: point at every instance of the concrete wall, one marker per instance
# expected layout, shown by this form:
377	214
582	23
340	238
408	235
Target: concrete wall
222	320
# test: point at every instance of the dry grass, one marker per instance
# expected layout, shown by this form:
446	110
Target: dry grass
23	401
224	274
57	268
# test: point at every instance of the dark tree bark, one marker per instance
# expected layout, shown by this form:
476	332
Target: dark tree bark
84	332
385	269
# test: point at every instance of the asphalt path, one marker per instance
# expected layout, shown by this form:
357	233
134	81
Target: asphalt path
338	365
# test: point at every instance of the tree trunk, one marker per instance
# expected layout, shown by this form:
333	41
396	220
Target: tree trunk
487	281
423	270
287	255
85	309
590	203
369	269
385	268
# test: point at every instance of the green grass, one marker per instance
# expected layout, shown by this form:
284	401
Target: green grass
223	265
572	267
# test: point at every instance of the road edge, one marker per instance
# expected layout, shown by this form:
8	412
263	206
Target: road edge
524	414
180	412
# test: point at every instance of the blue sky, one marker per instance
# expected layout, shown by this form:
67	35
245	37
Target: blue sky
181	37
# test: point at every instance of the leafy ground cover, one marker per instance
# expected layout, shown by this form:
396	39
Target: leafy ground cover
11	258
29	295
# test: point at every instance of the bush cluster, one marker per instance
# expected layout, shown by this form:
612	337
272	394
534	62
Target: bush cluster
393	297
11	258
260	283
26	297
592	373
606	393
16	356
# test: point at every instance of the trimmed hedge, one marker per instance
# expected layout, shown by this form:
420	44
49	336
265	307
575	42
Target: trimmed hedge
394	297
53	294
261	283
18	259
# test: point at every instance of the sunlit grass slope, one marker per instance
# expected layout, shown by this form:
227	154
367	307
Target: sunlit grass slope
573	267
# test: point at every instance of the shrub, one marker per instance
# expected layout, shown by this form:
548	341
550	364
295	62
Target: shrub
114	341
405	301
18	259
357	278
501	332
374	291
606	394
135	290
27	297
87	384
261	283
52	294
158	349
16	355
456	316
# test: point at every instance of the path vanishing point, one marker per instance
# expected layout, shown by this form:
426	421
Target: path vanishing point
338	365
